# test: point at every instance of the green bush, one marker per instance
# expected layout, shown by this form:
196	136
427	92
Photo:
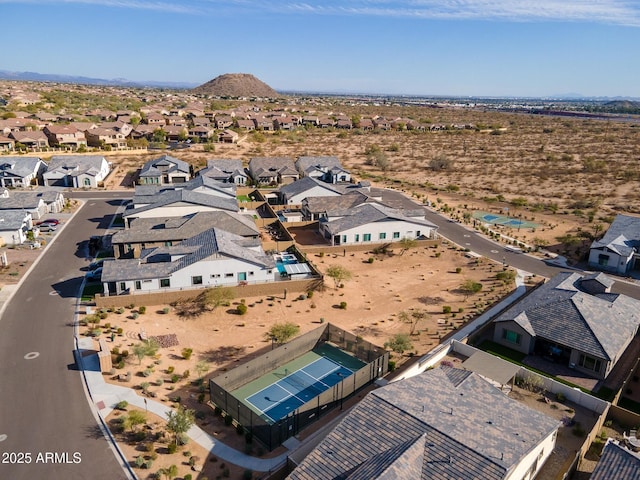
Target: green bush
241	309
392	365
139	462
201	398
165	310
175	378
458	269
186	353
142	310
446	309
370	260
172	448
186	374
343	305
122	405
310	294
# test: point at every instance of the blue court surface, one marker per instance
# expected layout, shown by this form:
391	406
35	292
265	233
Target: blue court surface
295	389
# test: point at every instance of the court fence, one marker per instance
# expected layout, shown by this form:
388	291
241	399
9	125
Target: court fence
273	434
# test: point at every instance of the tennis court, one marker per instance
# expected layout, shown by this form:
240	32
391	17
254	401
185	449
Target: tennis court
503	220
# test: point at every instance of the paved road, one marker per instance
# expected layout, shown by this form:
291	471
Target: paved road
43	407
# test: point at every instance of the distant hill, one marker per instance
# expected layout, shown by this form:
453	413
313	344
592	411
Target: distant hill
236	85
121	82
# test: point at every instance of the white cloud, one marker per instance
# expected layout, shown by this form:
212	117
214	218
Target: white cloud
617	12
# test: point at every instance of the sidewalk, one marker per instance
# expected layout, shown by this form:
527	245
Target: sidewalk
105	396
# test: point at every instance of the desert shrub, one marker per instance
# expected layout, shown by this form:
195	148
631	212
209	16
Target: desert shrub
120	311
188	476
241	309
175	378
142	310
458	269
150	447
343	305
446	309
159	382
370	260
115	351
165	310
170	370
135	315
122	405
119	331
186	374
186	353
201	398
310	294
147	372
139	462
392	365
172	448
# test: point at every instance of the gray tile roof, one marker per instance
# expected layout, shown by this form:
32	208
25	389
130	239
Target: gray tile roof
600	325
19	166
75	165
342	202
12	219
187	196
156	262
623	236
306	163
442	424
617	463
179	228
223	168
151	193
166	164
365	214
272	166
304	184
21	200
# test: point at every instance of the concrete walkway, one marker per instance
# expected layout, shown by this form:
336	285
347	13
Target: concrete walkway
106	395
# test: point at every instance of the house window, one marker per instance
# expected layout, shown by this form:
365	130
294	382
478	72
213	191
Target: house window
168	244
215	275
603	260
87	182
418	233
196	280
123	286
589	363
382	236
228	275
366	237
138	284
165	282
344	239
396	234
511	337
357	237
250	274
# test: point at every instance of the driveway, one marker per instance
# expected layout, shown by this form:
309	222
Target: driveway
43	407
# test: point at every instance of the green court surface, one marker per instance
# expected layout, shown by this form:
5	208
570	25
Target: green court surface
325	350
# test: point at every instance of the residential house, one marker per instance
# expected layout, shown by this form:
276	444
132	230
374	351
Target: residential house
32	140
203	133
164	170
155	119
263	123
326	122
315	208
616	463
223	121
64	136
294	193
20	171
15	125
6	144
365	124
28	202
120	127
144	131
179	203
148	194
285	123
228	136
618	251
177	121
144	233
344	122
14	225
572	320
225	170
81	171
105	137
201	121
175	133
382	123
212	258
273	170
327	169
374	223
445	423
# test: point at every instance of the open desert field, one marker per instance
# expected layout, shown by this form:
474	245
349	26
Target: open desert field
570	175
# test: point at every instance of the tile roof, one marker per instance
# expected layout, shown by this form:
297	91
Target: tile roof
367	213
305	163
211	244
179	228
272	166
616	463
76	164
19	166
442	424
169	164
146	194
187	196
12	219
623	236
304	184
599	325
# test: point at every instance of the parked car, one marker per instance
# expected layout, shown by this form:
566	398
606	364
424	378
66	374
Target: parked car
47	227
50	221
94	265
94	275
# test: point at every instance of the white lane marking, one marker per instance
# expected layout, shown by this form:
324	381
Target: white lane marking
31	355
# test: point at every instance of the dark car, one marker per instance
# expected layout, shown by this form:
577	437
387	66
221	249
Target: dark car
94	265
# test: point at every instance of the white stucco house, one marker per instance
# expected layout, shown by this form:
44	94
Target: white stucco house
618	251
374	223
165	170
212	258
20	171
294	193
14	226
81	171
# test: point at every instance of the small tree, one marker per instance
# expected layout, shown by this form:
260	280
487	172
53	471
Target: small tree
399	343
407	243
506	276
281	332
133	419
146	348
169	472
339	274
179	421
412	318
202	367
470	287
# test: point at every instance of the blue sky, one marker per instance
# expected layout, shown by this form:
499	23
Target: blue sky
423	47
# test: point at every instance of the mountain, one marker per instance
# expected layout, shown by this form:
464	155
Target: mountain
236	85
122	82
